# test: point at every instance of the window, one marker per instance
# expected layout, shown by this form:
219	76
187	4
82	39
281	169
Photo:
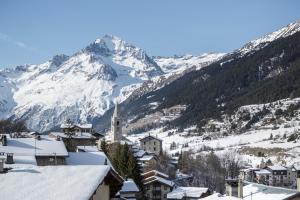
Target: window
51	159
154	148
118	122
165	187
147	187
154	142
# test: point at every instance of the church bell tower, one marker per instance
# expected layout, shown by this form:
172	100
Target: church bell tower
116	125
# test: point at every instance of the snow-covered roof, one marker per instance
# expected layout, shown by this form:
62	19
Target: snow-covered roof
190	192
277	168
297	167
264	192
218	196
146	158
84	126
129	186
259	192
46	146
158	179
155	172
75	135
262	171
140	153
52	182
87	158
150	137
88	148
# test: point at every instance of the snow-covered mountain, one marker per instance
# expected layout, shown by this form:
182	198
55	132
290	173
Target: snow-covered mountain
79	87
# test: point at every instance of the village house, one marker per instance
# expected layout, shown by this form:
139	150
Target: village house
85	175
151	144
157	185
69	127
41	150
278	176
75	139
129	190
188	193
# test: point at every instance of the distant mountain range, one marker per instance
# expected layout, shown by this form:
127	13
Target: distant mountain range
85	85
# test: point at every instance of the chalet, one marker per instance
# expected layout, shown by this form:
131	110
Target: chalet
188	193
129	190
278	176
74	139
151	144
42	150
157	185
77	128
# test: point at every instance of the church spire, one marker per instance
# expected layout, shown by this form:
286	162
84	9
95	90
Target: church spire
116	125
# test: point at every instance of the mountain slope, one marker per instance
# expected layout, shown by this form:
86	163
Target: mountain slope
268	71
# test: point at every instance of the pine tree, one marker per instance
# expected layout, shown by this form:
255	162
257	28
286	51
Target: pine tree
134	170
104	146
123	159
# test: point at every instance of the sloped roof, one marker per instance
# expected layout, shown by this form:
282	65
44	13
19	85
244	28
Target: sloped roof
129	186
277	168
52	182
158	179
156	173
46	146
149	137
191	192
87	158
66	125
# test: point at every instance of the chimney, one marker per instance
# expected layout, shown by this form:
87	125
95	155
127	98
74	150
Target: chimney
1	165
9	158
3	140
234	188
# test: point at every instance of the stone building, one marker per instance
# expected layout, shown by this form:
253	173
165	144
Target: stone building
116	126
278	176
151	144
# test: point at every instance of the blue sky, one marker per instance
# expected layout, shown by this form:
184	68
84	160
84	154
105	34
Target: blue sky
32	31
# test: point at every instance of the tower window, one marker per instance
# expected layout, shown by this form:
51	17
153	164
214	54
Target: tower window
118	122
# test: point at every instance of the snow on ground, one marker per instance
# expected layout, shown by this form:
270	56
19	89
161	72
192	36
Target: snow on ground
251	139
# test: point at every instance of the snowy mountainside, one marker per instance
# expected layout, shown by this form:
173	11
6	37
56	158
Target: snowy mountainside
77	87
266	74
81	86
265	40
182	63
274	134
